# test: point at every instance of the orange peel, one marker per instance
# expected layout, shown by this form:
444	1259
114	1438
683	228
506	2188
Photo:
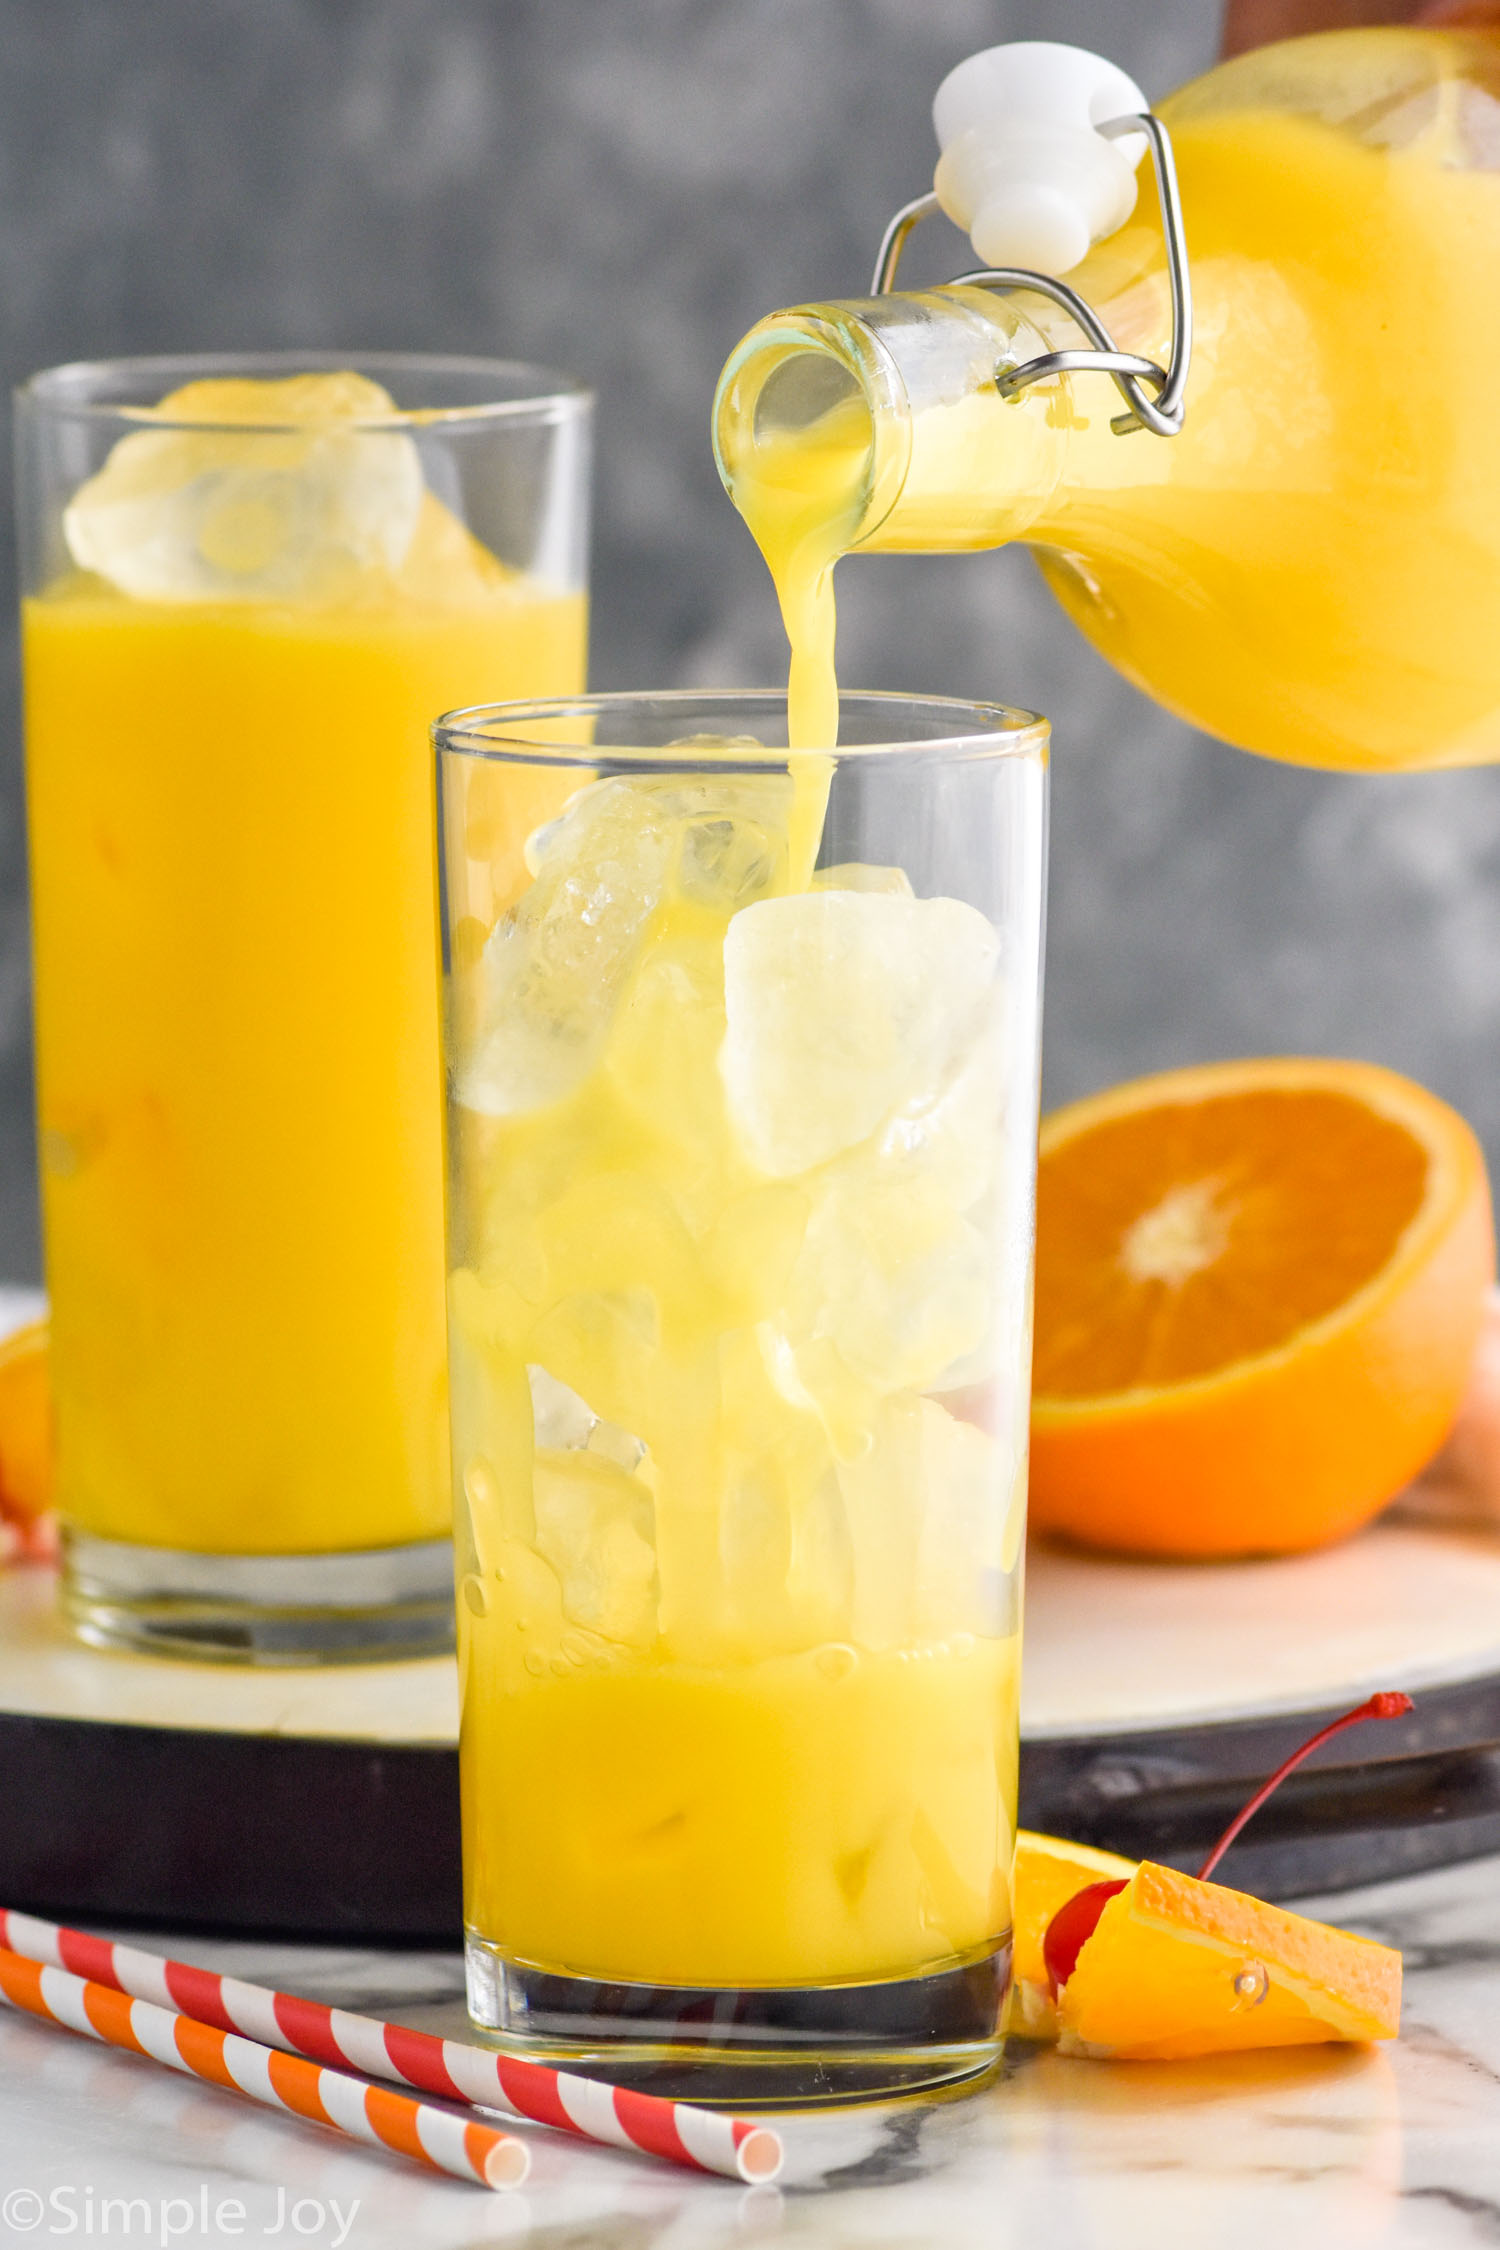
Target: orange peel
26	1450
1177	1967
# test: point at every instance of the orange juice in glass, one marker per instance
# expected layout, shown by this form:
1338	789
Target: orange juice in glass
742	1071
250	585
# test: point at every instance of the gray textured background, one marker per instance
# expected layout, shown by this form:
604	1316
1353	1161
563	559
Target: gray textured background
624	186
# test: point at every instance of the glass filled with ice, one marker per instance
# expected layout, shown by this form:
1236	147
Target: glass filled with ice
250	585
742	1102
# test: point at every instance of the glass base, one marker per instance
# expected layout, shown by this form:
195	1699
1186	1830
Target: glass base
362	1607
778	2045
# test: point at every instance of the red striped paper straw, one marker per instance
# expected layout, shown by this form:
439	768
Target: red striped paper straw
462	2146
702	2139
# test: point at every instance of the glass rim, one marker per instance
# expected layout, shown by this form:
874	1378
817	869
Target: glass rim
539	393
498	731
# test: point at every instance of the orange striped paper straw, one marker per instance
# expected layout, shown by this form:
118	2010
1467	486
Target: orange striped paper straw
377	2114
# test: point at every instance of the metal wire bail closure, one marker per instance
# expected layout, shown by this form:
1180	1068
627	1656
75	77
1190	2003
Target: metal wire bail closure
1160	409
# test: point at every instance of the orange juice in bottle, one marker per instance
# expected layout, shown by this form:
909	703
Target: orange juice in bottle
1309	567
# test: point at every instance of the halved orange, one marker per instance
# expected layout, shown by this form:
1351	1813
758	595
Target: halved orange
1045	1874
1259	1288
1178	1967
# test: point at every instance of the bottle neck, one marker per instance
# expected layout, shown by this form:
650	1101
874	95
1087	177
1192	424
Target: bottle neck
877	425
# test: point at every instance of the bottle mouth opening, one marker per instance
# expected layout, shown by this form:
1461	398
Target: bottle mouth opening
804	390
811	410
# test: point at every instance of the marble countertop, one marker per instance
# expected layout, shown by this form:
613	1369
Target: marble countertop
1312	2149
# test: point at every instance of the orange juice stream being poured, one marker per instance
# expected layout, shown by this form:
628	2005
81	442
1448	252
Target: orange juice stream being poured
233	653
1310	569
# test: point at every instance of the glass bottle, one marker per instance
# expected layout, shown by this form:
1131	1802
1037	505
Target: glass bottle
1310	569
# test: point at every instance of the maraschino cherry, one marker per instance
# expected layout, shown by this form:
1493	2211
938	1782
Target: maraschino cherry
1076	1920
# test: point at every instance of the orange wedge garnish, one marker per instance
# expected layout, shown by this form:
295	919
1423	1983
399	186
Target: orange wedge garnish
1158	1966
1178	1967
1259	1286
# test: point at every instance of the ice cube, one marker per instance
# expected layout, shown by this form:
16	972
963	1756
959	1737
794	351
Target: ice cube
842	1008
882	1496
732	831
595	1527
933	1508
565	1423
663	1061
561	1420
897	1281
556	965
973	1507
953	1142
916	1245
729	860
445	563
253	514
759	802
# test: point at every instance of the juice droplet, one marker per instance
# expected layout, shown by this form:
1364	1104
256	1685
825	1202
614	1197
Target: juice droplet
536	1663
475	1597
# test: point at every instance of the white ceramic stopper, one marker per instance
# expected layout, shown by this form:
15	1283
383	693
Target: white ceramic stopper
1024	169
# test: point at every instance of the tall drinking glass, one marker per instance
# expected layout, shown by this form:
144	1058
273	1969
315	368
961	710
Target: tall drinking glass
250	584
742	1072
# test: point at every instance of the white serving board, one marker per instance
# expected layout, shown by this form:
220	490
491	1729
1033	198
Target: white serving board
1119	1647
46	1673
1111	1648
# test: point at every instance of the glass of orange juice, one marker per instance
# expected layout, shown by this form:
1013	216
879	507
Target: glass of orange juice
250	584
742	1103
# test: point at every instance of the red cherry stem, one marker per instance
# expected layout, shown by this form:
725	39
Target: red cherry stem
1387	1705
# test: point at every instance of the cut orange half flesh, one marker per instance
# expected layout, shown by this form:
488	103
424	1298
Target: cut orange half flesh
1259	1287
1177	1968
